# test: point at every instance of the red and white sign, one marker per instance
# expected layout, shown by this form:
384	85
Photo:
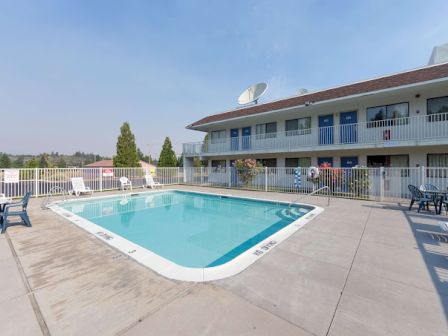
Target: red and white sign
108	172
11	176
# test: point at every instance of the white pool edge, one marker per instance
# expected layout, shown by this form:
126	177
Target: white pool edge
174	271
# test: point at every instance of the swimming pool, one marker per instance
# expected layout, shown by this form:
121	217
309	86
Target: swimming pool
188	235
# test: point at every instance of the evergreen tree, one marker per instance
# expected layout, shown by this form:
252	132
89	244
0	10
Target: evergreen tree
5	161
61	163
167	156
33	163
127	155
141	156
18	163
44	161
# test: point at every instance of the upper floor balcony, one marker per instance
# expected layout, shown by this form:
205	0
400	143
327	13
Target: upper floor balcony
409	131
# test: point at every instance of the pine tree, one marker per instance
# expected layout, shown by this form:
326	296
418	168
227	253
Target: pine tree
33	163
5	161
127	155
18	163
61	163
44	161
167	156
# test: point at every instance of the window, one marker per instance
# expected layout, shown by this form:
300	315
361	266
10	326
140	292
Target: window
436	108
268	130
390	161
396	161
388	115
218	166
298	126
290	163
218	136
270	163
437	162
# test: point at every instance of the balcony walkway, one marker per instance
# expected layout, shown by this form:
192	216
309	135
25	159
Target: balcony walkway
360	268
422	130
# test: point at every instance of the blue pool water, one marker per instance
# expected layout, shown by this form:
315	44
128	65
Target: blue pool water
190	229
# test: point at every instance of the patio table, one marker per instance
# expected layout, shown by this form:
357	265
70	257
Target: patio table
439	196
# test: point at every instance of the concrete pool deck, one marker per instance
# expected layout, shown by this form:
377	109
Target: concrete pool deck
359	268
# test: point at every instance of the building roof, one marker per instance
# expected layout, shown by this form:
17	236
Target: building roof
386	82
110	164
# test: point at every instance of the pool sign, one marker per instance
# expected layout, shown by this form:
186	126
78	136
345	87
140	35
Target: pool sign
11	176
108	172
297	177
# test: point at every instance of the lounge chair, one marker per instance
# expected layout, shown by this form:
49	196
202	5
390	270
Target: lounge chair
3	197
10	210
79	187
125	182
418	196
444	226
150	183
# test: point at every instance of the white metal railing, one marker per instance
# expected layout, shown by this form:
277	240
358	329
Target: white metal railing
385	184
43	181
381	184
387	132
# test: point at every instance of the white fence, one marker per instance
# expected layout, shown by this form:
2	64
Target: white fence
385	184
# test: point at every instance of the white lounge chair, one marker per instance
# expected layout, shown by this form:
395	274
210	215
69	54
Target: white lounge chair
444	226
79	187
125	182
150	183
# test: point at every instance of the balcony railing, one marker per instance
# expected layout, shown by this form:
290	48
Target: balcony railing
384	132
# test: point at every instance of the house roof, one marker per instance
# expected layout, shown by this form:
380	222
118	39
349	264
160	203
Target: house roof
110	164
386	82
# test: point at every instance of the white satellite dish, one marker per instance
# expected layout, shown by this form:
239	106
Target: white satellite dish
252	93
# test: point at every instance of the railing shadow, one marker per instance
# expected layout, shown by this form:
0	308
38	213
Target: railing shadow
432	244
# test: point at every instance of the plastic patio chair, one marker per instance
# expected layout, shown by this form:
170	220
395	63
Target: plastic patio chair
418	196
150	183
21	212
79	187
125	182
431	196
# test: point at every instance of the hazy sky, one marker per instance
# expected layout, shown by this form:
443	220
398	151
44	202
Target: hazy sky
72	71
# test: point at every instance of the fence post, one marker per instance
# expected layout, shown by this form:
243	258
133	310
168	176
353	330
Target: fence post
382	178
422	175
265	178
178	175
229	177
101	178
36	182
201	175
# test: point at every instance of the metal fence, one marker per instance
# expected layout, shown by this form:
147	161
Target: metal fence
383	184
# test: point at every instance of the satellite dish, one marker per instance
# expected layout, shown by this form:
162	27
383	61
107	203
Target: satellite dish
252	93
302	91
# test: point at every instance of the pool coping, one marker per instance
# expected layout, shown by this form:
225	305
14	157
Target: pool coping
168	268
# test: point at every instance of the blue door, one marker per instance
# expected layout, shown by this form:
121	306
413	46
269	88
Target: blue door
348	127
246	138
349	161
326	130
234	139
323	160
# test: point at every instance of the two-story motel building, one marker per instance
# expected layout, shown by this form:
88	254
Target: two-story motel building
398	120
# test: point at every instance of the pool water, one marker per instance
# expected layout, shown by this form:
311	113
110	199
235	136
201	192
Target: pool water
190	229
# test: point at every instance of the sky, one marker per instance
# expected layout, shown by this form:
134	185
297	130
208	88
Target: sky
71	72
